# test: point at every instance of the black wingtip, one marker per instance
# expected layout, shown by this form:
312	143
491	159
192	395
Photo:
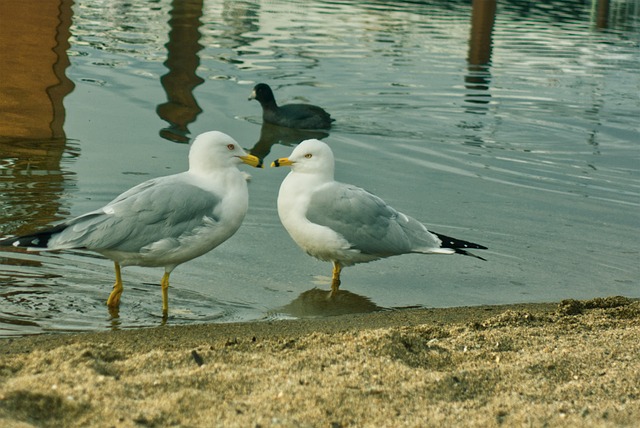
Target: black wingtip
460	246
466	253
34	240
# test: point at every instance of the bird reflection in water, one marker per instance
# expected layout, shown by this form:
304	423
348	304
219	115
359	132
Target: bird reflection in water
273	134
320	303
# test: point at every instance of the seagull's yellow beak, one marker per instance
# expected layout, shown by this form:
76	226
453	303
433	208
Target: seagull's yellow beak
281	162
252	160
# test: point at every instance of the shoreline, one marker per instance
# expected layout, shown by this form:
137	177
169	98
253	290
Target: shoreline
572	363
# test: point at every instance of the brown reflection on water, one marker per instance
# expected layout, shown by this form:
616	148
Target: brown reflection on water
32	90
478	78
181	107
602	13
33	64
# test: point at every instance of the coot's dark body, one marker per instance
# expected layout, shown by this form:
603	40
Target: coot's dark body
298	116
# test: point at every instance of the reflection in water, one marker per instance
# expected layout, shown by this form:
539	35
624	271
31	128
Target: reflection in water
621	15
479	57
601	17
624	15
32	144
34	49
273	134
31	185
320	303
182	61
241	20
32	137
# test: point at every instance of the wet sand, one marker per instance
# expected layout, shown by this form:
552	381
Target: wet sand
564	364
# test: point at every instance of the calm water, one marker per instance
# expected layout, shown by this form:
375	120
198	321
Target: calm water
516	129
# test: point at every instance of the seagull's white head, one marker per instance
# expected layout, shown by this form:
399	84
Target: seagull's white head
215	150
310	156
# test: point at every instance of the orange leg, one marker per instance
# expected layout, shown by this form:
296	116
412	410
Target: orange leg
114	298
335	278
165	293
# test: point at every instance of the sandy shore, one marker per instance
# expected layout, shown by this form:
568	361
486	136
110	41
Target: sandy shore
565	364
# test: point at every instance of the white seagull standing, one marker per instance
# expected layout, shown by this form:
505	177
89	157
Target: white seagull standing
345	224
164	221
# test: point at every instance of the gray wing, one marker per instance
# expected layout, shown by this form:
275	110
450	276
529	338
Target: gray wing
157	209
367	222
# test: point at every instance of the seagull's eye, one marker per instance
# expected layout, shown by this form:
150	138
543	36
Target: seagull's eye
308	156
231	146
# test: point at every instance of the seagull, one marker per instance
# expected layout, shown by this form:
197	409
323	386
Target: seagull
164	221
297	116
345	224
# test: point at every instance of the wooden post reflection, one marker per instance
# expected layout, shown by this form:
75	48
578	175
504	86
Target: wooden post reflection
480	42
480	48
182	61
602	13
33	64
34	39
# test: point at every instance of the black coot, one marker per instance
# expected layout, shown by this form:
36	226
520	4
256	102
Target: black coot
298	116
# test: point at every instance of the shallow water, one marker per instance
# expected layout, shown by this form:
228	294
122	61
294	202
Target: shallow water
518	131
